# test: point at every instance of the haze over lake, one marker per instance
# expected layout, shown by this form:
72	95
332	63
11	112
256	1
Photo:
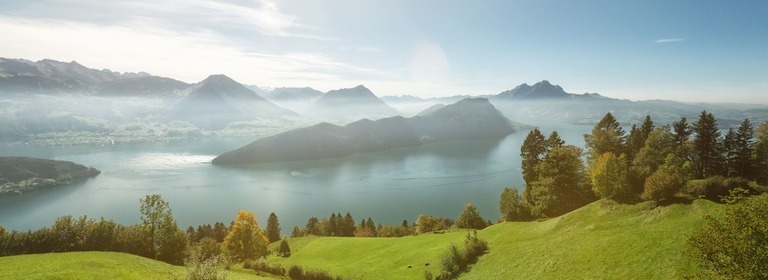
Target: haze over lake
391	185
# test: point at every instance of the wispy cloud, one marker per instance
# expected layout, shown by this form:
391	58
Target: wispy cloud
669	40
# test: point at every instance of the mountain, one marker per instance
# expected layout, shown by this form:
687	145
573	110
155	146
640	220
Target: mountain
218	100
146	86
540	90
293	94
51	76
21	174
467	119
350	104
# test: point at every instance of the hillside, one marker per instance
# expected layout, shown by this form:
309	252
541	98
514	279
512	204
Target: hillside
21	174
350	104
96	265
465	120
603	240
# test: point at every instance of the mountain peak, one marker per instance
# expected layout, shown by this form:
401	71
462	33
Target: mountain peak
540	90
218	78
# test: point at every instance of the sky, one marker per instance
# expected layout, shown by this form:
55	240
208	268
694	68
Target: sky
697	50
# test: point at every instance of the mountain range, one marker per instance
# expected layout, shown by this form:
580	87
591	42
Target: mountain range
471	118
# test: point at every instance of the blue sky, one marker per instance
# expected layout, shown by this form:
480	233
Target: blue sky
711	51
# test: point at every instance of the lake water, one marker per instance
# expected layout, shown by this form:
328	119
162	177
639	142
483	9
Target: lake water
389	186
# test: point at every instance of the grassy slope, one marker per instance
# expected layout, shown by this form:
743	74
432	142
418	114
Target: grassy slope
94	265
601	240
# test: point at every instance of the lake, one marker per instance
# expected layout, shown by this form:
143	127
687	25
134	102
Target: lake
389	186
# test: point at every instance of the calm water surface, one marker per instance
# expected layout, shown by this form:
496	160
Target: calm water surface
389	186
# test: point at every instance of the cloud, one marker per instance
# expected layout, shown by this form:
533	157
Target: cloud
669	40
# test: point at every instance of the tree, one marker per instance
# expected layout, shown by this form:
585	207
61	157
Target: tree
637	136
245	239
512	207
284	250
554	141
744	149
667	181
560	187
707	156
658	145
312	227
158	225
349	225
470	218
735	245
532	152
761	154
273	228
607	136
427	223
371	225
333	226
609	176
729	152
219	232
682	131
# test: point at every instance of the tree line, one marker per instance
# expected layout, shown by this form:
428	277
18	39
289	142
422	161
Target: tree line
677	161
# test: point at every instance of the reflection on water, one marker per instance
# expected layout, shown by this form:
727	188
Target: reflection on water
389	185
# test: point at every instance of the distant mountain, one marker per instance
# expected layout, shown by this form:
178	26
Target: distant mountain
50	76
146	86
466	119
293	94
540	90
402	99
219	100
350	104
21	174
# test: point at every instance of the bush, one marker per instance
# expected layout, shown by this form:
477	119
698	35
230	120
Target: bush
284	250
735	246
260	265
662	185
297	273
205	269
456	261
717	187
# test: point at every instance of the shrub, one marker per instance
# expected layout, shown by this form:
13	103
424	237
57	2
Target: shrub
284	250
717	187
735	246
297	273
260	265
205	269
456	261
662	185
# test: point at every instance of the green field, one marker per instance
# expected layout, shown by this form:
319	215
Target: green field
603	240
95	265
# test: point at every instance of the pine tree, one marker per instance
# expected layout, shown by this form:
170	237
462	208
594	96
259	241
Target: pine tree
682	131
372	226
532	151
607	136
761	154
744	162
554	141
560	187
349	225
708	158
273	228
729	152
312	226
333	226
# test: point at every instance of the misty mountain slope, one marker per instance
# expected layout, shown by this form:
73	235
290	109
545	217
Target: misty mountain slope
147	86
50	77
293	98
540	90
466	119
350	104
218	100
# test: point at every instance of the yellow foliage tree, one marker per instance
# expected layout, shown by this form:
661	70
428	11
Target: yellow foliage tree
245	239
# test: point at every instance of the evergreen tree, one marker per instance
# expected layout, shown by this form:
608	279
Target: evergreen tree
637	136
273	228
284	250
607	136
708	159
349	225
560	187
333	226
296	232
744	149
682	131
659	144
219	232
312	227
532	151
729	152
554	141
761	154
371	225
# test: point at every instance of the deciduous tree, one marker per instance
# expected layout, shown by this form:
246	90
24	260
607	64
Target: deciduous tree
245	239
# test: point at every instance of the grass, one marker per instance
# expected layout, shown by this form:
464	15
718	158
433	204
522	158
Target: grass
96	265
603	240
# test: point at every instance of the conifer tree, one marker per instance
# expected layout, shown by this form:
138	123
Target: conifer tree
744	162
532	151
682	131
606	136
273	228
708	159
